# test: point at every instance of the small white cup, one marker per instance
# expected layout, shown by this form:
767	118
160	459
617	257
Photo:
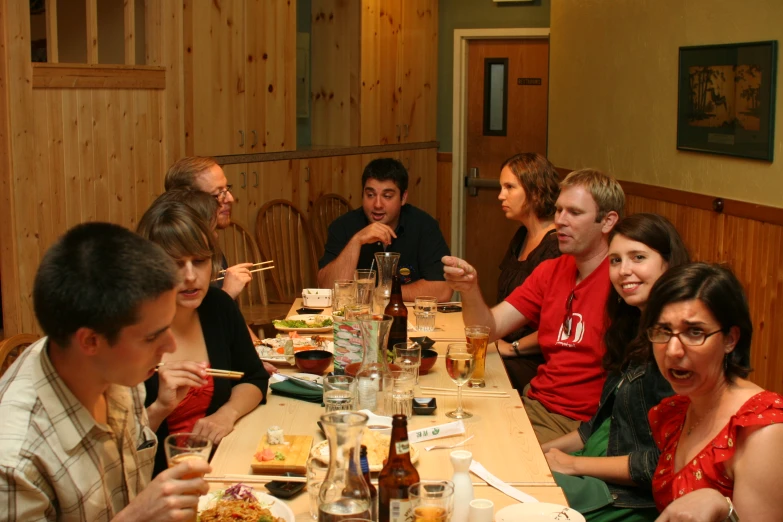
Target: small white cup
481	510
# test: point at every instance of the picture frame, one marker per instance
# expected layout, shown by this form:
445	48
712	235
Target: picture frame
726	99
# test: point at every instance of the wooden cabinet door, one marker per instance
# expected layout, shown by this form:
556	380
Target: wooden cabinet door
380	85
237	177
422	178
215	77
417	70
270	91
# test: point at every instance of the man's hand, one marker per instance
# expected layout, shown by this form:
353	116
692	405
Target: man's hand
702	505
175	379
216	426
236	278
459	274
375	232
172	496
560	462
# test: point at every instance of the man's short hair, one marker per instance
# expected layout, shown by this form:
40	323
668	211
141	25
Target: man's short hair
384	169
606	192
97	276
539	179
183	173
205	205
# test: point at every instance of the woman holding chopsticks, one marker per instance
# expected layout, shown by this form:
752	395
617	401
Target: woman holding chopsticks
215	376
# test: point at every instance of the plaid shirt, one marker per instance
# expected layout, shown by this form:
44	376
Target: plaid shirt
56	461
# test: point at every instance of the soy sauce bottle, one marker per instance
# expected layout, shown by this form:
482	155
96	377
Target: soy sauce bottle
399	312
396	476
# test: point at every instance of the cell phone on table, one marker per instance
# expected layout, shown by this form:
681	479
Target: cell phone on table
446	309
305	310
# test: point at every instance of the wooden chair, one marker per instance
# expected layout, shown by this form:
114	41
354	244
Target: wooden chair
12	348
283	234
326	209
238	246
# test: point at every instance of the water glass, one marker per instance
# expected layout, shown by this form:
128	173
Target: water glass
400	400
432	500
352	312
365	284
381	297
478	337
408	357
425	308
343	294
316	474
339	393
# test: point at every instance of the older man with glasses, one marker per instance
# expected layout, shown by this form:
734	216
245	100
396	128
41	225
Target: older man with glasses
565	297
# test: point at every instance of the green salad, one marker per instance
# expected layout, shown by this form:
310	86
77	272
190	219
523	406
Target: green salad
298	323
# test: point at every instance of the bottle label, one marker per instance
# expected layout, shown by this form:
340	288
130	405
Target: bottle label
402	447
400	510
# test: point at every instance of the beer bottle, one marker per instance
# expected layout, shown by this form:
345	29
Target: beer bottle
373	491
396	476
399	312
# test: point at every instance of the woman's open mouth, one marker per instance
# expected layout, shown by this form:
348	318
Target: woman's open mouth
680	375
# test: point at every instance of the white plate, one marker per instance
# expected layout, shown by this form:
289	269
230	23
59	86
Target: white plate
308	318
268	350
543	511
321	450
275	505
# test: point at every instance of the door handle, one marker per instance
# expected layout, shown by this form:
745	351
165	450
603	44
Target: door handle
244	180
241	138
255	178
255	139
473	182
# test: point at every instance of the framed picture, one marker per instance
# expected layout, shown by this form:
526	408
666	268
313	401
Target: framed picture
726	99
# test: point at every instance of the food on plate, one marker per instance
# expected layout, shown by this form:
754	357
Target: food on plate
377	449
275	435
274	348
238	504
318	321
265	456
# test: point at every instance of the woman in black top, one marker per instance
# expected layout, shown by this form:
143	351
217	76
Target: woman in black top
528	191
209	331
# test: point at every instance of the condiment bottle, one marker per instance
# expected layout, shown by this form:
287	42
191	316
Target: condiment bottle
396	476
399	312
463	485
373	491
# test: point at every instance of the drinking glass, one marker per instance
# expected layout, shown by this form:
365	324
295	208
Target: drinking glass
432	500
459	365
401	396
316	473
478	337
181	447
339	393
343	294
408	357
365	284
425	308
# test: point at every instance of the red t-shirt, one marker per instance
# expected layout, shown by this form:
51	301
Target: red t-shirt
570	382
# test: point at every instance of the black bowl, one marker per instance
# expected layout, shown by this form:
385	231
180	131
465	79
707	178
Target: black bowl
428	360
425	342
283	489
314	361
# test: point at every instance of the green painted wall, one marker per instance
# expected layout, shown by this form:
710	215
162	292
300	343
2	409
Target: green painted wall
474	14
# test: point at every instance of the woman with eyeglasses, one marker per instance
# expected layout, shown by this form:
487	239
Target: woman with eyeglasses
720	436
605	467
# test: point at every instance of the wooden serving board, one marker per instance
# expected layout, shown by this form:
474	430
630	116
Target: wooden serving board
296	450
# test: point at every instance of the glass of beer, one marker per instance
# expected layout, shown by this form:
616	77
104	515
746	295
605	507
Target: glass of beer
432	500
478	337
181	447
459	365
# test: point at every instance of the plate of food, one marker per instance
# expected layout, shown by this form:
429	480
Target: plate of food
273	349
377	449
241	503
307	323
538	511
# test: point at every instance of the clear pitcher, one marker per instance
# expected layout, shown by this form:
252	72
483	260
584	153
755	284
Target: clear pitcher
373	376
387	266
344	493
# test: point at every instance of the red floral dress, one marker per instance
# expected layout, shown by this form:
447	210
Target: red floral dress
707	469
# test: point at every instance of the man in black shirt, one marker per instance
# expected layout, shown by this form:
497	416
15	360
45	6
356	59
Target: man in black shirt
385	222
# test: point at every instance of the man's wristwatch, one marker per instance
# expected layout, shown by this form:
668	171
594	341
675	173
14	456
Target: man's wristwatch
732	517
515	346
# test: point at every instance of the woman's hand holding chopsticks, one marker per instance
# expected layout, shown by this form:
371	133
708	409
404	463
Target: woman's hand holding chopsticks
175	378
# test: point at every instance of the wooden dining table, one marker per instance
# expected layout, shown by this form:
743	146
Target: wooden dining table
503	439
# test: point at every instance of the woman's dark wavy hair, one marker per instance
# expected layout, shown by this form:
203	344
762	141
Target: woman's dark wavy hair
623	319
720	291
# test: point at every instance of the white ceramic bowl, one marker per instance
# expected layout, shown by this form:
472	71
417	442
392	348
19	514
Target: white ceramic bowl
317	297
378	423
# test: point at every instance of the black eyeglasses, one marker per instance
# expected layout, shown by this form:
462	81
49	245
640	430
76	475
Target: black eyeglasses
696	337
567	320
221	194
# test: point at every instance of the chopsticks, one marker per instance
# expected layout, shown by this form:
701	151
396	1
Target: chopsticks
252	271
264	479
469	392
262	263
220	374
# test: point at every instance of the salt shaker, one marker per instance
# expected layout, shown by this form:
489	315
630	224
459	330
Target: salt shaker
463	485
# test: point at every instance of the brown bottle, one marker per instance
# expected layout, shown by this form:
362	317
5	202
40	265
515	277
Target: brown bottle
396	476
399	312
373	491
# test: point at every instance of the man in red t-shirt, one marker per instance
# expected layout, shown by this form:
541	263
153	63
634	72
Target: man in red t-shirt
565	298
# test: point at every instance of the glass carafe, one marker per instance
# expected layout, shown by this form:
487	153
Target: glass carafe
344	493
373	376
387	267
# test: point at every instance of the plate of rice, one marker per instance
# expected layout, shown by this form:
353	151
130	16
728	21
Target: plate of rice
241	503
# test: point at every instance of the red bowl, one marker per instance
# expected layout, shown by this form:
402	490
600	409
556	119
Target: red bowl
314	361
428	360
352	368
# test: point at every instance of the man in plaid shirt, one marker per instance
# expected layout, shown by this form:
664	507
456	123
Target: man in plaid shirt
74	439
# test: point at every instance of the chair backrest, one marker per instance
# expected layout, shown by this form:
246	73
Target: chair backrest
326	209
239	247
283	235
13	347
